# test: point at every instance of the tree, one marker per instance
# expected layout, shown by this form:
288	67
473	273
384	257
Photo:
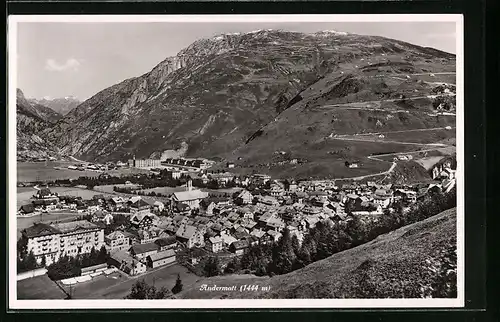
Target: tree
178	285
22	246
142	291
211	267
102	257
30	261
283	255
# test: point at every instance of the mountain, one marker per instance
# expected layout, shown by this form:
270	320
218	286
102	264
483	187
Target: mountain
401	264
245	96
61	105
32	121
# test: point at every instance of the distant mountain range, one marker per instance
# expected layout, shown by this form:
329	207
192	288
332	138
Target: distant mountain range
244	96
61	105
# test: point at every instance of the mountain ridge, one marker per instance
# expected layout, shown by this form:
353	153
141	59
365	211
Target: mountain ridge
216	93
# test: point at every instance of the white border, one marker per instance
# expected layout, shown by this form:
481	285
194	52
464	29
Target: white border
235	303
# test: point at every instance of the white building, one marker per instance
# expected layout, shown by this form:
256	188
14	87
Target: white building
54	241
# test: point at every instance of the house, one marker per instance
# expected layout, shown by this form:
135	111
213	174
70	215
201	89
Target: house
277	190
238	247
215	244
45	193
275	224
141	251
222	178
230	165
140	206
190	197
142	220
166	243
245	196
158	206
101	216
190	236
117	240
26	210
126	263
275	236
227	239
161	258
261	178
292	187
268	201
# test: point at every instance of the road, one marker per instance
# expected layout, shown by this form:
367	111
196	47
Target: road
349	105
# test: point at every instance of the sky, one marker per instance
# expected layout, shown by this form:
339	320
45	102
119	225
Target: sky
58	59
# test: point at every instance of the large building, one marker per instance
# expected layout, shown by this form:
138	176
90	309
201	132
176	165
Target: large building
54	241
190	197
144	163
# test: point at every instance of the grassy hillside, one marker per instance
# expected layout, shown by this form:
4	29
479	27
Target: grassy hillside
409	262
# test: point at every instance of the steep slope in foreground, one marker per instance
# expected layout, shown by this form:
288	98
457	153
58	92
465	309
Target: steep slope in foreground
217	93
394	265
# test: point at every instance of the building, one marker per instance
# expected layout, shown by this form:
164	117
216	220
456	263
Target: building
239	247
141	251
166	243
54	241
161	258
126	263
79	237
215	244
43	241
190	236
117	240
158	206
45	193
143	220
245	196
140	206
144	163
27	210
190	197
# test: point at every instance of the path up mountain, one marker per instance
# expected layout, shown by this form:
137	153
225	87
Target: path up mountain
215	96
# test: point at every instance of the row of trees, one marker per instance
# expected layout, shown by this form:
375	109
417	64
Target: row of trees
326	239
68	266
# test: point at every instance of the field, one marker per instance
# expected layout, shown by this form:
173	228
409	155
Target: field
118	285
39	288
44	171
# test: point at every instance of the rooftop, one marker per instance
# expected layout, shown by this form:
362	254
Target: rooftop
161	255
40	229
75	226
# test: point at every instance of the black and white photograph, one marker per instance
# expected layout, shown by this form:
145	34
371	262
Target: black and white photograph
235	161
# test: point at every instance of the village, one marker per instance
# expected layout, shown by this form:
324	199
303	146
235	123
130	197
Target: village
189	226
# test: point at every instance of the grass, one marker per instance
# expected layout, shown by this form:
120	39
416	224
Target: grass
33	171
115	287
24	195
39	288
392	265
